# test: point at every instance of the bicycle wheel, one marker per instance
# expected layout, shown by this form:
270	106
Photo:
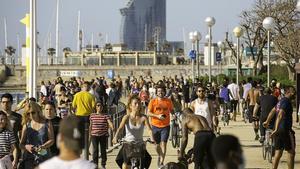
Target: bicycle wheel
174	135
270	152
178	137
264	151
227	119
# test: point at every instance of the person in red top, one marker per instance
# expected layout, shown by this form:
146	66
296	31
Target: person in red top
159	110
144	95
99	125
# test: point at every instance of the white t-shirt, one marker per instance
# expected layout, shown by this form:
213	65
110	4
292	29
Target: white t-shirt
234	89
57	163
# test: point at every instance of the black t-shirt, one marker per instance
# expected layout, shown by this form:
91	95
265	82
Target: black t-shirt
287	120
185	90
267	103
15	121
55	123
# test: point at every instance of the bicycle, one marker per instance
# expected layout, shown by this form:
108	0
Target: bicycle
226	114
175	131
246	114
135	151
268	146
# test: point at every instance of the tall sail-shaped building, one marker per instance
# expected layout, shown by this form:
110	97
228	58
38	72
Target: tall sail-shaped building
143	21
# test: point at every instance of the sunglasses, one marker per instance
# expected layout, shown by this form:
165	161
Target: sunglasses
33	112
201	91
99	105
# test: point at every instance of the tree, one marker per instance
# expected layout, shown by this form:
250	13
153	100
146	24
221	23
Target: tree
108	47
166	46
229	44
179	52
254	35
150	46
67	49
285	36
287	33
10	50
51	52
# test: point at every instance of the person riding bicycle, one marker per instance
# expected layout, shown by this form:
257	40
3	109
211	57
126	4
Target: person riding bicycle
265	103
283	134
203	138
176	100
133	122
225	95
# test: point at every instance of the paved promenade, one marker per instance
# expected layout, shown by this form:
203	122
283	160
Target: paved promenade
252	148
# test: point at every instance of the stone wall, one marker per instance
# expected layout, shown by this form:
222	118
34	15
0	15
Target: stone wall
3	75
89	72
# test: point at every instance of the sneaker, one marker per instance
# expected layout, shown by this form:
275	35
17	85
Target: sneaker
256	137
158	162
161	166
262	139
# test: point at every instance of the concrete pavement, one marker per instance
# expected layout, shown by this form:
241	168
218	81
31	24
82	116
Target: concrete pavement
252	149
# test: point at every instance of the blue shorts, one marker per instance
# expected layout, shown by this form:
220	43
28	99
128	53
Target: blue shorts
161	134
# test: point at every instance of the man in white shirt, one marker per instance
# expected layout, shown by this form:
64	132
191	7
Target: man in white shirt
70	144
234	97
43	88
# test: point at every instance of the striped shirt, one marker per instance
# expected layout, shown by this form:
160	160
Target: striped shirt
99	124
7	138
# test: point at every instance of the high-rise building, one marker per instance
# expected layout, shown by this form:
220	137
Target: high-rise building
143	21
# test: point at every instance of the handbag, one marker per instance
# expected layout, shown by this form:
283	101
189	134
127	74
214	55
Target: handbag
5	162
134	149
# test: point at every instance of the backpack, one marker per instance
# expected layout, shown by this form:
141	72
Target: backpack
224	94
113	98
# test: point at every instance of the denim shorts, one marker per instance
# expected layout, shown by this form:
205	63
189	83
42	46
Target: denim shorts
161	134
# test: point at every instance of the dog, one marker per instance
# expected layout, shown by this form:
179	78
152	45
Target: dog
182	163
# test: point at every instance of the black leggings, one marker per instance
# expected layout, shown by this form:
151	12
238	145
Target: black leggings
202	145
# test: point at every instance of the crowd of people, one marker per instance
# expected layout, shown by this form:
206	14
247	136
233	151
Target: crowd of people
51	131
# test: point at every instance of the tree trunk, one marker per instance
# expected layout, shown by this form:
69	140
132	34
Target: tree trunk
292	73
254	73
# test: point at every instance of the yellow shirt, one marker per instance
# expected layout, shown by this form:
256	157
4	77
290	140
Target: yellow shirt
84	102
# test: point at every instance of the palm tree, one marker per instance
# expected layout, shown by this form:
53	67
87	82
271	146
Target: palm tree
150	45
51	52
10	51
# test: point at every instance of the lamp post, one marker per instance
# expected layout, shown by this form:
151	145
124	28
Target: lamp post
238	32
191	37
221	47
197	37
268	24
210	21
298	6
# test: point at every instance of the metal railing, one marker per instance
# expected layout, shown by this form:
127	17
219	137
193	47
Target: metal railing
116	114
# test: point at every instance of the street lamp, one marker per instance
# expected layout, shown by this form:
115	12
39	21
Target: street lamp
191	37
197	37
238	32
221	47
268	24
210	21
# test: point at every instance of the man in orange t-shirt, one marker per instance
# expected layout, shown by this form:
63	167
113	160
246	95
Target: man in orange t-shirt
159	110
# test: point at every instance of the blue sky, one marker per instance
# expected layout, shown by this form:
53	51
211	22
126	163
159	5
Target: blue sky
103	16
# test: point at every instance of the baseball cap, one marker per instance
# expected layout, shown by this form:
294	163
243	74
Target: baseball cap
72	131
